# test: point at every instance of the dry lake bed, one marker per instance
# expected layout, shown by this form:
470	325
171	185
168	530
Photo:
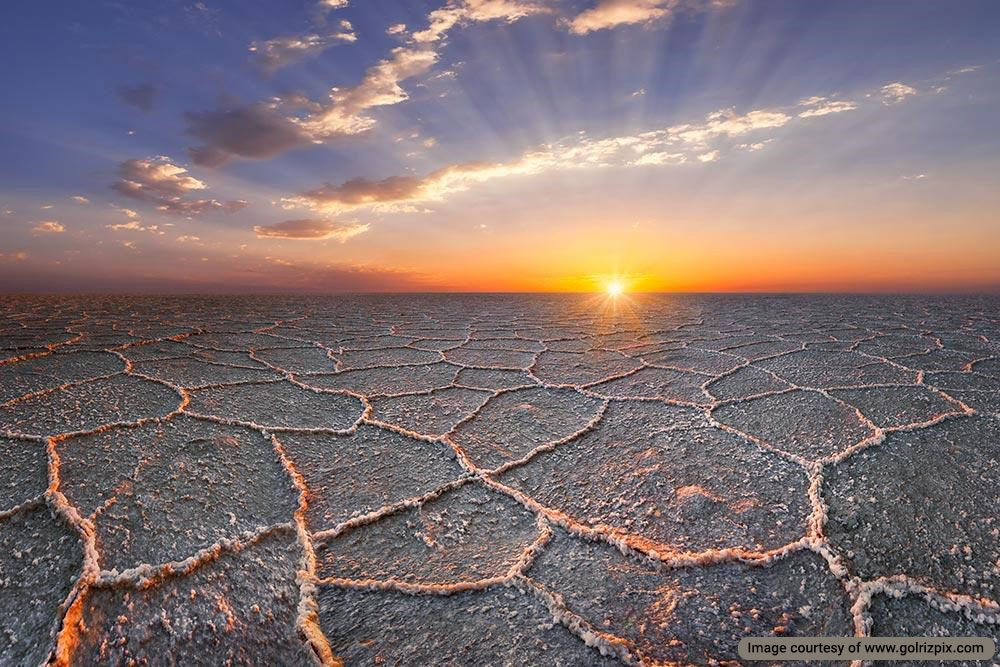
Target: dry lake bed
492	480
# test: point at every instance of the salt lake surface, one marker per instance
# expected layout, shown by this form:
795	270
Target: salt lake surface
492	480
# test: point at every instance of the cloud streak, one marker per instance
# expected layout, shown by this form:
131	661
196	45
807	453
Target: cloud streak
273	54
311	229
706	141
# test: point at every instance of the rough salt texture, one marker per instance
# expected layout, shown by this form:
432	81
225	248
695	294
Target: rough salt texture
914	616
348	475
657	470
496	627
466	534
934	517
40	559
492	480
692	615
24	473
239	609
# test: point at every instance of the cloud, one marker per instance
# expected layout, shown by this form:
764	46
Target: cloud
80	199
13	256
254	132
380	86
164	184
49	227
129	213
894	93
456	12
135	226
184	238
674	145
279	52
823	106
756	146
659	158
261	131
126	226
324	7
607	14
728	123
965	70
396	29
141	96
611	13
310	229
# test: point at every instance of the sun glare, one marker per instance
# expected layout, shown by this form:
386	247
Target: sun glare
616	288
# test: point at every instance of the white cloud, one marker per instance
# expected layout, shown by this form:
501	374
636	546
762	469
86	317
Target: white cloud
80	199
49	227
894	93
659	158
824	106
710	156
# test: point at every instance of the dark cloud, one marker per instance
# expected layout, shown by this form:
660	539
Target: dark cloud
254	132
141	96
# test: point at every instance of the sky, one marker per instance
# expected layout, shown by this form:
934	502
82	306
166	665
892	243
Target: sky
499	145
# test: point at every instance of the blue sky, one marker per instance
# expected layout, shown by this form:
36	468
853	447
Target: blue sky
383	145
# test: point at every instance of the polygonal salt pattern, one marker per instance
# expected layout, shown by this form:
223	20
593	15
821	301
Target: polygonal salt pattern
500	626
351	475
163	492
240	608
466	534
288	406
513	423
655	470
692	616
934	518
492	479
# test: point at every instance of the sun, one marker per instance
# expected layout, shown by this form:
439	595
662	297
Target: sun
616	288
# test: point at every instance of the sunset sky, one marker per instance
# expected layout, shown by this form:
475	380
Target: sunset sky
499	145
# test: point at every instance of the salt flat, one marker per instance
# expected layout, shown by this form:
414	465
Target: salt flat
495	479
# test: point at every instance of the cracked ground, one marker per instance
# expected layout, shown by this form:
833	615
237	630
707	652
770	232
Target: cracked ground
492	480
